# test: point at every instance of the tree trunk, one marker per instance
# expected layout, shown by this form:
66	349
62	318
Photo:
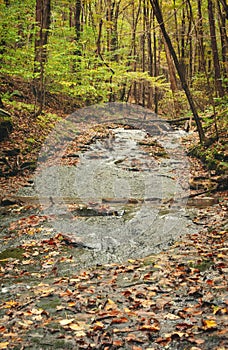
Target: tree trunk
77	17
43	12
217	71
77	20
1	103
158	14
225	6
200	34
224	39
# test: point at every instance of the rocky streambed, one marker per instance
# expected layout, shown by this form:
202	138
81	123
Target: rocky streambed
125	198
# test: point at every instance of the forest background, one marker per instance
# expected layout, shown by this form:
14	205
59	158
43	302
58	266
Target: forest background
169	56
60	55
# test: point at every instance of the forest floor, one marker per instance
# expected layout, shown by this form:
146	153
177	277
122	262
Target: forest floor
177	299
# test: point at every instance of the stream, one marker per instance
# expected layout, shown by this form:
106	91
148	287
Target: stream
126	197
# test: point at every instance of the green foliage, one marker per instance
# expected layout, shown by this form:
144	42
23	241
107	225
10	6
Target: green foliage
16	46
21	106
76	68
214	156
47	119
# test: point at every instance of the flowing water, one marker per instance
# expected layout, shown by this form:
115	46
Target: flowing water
120	201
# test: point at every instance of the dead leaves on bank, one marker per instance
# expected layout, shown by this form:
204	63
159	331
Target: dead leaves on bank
176	299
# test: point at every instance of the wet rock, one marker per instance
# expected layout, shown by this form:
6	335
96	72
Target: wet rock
8	201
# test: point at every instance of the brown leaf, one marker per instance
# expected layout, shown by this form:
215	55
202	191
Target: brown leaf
150	328
120	320
117	343
98	326
183	326
132	338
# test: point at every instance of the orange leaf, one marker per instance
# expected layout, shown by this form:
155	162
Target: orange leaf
119	320
117	342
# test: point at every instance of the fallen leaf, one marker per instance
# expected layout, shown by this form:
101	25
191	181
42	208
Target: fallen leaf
110	305
65	322
150	328
98	326
133	338
77	327
10	303
80	334
171	317
209	324
4	345
119	320
25	323
117	343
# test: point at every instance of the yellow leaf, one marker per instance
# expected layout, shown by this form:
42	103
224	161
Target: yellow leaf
10	335
71	303
110	305
78	326
37	318
35	311
31	232
158	266
10	303
171	317
80	334
98	325
43	289
66	321
208	324
25	323
4	345
221	256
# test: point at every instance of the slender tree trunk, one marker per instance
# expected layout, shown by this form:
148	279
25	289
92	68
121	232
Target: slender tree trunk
217	70
43	12
147	30
158	14
176	29
225	6
171	68
223	38
156	63
1	103
77	20
78	53
201	51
